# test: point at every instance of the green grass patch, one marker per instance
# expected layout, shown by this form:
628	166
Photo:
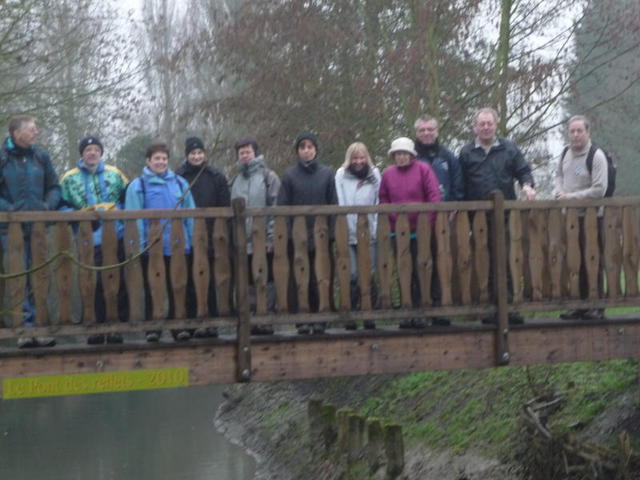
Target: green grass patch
481	409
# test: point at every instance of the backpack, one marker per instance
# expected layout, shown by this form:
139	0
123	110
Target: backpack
611	166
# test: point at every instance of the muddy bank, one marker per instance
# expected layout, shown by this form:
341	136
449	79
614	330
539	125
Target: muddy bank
270	420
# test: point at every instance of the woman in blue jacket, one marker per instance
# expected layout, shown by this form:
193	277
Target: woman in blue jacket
160	188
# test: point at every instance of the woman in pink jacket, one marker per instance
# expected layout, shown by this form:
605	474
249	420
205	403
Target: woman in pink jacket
409	181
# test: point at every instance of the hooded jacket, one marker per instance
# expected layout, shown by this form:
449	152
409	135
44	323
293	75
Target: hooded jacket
352	190
259	187
27	179
308	184
82	188
152	191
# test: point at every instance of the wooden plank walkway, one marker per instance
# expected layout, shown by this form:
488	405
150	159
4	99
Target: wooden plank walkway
386	350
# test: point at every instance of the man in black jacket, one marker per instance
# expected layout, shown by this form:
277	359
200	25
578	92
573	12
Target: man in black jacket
308	183
491	163
209	189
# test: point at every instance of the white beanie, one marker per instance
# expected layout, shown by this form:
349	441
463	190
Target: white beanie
403	144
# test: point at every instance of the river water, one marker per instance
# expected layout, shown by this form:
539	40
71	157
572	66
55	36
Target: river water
152	435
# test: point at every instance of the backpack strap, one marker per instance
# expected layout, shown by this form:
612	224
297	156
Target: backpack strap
592	152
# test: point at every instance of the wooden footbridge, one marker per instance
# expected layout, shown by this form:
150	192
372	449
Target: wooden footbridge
539	248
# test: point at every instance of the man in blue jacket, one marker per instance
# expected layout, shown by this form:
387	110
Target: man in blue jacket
442	160
447	168
27	182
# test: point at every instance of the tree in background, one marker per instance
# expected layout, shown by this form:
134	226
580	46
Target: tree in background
606	82
64	62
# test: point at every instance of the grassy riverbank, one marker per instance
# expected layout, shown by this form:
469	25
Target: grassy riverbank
453	422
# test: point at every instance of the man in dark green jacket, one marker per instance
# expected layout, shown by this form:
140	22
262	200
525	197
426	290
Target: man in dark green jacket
27	182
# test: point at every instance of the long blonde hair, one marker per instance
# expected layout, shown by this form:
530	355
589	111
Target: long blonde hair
356	147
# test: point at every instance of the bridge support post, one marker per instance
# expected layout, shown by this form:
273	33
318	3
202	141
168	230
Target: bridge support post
242	291
500	288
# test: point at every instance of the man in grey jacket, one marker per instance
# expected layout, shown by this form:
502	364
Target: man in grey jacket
574	179
259	187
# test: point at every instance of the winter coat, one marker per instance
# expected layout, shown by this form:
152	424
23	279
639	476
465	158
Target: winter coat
152	191
446	167
352	190
415	183
27	179
104	187
308	184
210	190
259	187
485	172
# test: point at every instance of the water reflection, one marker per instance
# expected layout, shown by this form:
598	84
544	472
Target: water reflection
164	434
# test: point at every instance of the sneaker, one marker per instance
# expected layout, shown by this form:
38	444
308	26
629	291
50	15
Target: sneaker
573	314
181	335
26	342
440	321
114	338
369	325
205	332
96	339
303	329
594	314
153	336
318	328
45	341
350	325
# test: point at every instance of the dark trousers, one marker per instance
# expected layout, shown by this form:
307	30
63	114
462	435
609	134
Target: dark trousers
191	305
123	300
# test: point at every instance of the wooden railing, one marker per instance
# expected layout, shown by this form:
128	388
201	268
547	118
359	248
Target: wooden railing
475	248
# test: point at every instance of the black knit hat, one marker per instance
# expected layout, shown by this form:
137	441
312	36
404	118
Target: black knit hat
86	141
306	136
243	142
191	144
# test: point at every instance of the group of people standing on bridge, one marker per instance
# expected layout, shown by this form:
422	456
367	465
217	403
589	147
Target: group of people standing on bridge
421	170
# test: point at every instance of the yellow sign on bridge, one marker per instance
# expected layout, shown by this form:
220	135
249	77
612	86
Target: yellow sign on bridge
81	384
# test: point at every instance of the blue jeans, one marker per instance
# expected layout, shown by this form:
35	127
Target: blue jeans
28	303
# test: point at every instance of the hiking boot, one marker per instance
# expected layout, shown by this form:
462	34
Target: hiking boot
206	332
113	338
181	335
303	329
440	321
318	328
262	330
573	314
96	339
26	342
514	319
45	341
405	323
418	323
153	336
594	314
369	325
350	325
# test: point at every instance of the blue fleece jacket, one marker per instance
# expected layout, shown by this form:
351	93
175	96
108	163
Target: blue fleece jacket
152	191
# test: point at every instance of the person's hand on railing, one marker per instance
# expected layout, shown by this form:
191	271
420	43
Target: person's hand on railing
529	192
